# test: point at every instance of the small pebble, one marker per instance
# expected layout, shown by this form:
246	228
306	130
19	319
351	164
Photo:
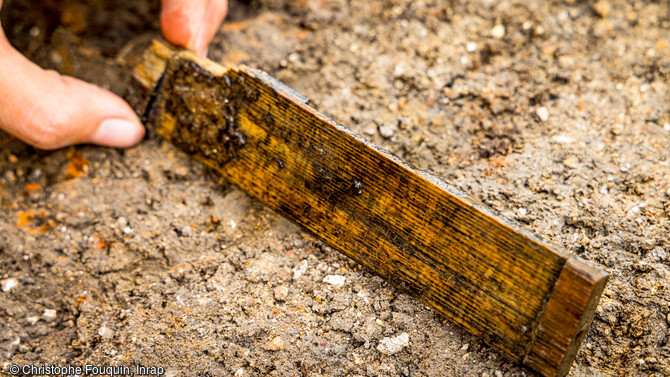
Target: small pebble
239	372
337	280
181	172
233	224
388	129
465	60
498	31
49	314
105	332
391	346
36	174
122	221
666	127
542	113
498	373
55	57
602	8
281	293
471	46
562	139
34	32
571	162
32	320
186	230
127	230
277	344
370	130
9	284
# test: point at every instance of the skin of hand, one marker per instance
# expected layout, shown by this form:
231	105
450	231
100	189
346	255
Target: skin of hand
50	111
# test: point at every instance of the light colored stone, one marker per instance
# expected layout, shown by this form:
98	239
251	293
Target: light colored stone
370	130
9	284
542	113
562	139
388	129
391	346
281	293
571	162
277	344
498	31
49	314
337	280
602	8
105	332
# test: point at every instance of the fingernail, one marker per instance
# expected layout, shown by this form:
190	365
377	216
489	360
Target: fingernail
115	132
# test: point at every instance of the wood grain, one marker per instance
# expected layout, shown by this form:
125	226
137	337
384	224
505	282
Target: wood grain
528	299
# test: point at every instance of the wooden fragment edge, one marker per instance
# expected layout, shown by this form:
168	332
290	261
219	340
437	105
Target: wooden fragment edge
566	318
570	306
146	76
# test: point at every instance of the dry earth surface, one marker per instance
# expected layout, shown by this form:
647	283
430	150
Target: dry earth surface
554	113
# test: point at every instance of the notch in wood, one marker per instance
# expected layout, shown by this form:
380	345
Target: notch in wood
530	300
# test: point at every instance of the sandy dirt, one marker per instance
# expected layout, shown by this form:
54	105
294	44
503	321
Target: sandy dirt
553	113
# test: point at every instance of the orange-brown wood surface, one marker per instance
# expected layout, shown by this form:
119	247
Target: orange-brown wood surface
528	299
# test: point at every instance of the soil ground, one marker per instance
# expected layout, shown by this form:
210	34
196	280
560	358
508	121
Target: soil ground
553	113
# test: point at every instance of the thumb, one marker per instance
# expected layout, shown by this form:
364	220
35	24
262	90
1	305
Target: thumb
192	23
51	111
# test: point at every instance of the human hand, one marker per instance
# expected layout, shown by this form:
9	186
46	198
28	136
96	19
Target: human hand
50	111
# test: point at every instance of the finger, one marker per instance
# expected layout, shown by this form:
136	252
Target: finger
51	111
192	23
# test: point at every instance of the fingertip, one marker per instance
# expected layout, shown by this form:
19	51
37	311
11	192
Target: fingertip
175	24
118	132
192	23
50	111
110	121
